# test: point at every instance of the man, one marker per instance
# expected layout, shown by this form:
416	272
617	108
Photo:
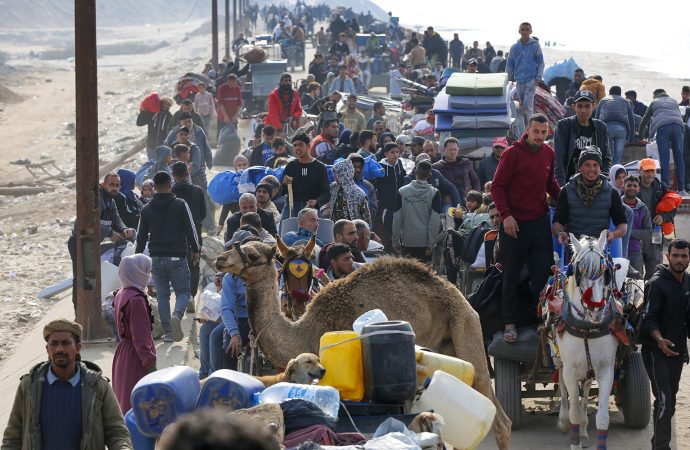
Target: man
525	174
283	105
65	403
252	219
157	123
204	103
263	193
367	145
458	171
168	226
472	65
487	166
196	136
497	63
196	200
344	232
351	118
387	191
651	192
474	52
417	216
264	150
639	108
664	335
403	141
417	55
449	193
342	262
239	42
339	49
319	105
578	78
247	204
111	225
229	96
279	151
588	203
308	178
366	186
364	238
431	148
667	124
342	83
308	222
617	114
456	48
437	50
310	96
317	67
525	65
641	223
416	146
326	141
575	133
187	107
378	113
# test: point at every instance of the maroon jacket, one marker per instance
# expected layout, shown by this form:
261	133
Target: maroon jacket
460	173
522	181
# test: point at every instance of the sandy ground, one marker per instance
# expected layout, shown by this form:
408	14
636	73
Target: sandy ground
34	229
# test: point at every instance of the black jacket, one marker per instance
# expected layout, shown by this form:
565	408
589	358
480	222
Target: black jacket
233	223
567	131
158	124
387	186
129	216
194	196
667	309
167	223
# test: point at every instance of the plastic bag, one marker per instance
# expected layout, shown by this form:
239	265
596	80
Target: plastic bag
151	103
209	306
369	317
223	188
392	441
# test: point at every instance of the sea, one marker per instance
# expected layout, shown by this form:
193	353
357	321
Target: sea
656	33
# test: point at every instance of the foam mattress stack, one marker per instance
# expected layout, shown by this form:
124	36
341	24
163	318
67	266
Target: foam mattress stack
474	108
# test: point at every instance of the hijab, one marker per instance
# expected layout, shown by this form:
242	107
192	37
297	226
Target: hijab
135	271
613	173
126	185
345	187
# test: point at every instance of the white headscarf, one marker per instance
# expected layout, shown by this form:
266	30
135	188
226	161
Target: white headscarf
135	271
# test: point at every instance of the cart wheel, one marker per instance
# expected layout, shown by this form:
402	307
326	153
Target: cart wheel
508	389
636	398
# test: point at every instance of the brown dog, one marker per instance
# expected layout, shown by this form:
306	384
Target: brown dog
303	369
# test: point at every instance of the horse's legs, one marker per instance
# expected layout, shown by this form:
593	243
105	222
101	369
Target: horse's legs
584	419
563	419
572	385
605	376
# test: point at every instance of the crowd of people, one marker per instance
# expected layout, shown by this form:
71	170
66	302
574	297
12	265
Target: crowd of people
423	187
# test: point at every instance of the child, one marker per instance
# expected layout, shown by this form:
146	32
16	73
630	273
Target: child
238	164
147	191
473	201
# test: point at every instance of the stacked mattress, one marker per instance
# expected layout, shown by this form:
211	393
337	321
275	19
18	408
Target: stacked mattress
474	108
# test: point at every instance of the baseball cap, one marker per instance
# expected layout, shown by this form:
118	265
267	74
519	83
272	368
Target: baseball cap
647	164
500	142
418	140
584	94
403	139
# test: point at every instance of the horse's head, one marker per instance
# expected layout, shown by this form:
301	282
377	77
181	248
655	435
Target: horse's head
593	275
297	275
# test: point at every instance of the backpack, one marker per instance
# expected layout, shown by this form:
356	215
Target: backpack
473	242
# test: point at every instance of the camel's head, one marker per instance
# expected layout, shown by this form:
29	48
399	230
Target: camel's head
247	261
592	274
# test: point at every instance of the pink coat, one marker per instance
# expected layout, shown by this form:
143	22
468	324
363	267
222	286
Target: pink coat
135	355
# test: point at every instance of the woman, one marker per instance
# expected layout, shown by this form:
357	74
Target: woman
348	201
128	204
135	355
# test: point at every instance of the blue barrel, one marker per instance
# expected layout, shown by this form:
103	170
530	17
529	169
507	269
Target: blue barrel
230	389
615	247
390	365
161	397
139	441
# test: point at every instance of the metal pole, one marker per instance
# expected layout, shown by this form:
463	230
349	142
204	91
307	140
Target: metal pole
235	23
88	221
214	32
227	30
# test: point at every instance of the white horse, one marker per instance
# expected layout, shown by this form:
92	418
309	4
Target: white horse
587	344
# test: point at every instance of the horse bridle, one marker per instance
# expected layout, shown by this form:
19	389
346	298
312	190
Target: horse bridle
605	269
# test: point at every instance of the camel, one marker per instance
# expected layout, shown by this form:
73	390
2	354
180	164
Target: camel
403	289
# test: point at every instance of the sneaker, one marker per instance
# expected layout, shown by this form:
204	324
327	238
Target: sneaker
167	337
683	193
176	324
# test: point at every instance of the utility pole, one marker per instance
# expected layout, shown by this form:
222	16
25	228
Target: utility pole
214	33
227	30
235	23
87	226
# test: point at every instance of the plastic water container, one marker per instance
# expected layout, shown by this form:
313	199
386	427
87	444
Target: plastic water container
390	372
343	364
325	397
230	389
467	414
429	362
161	397
139	441
373	316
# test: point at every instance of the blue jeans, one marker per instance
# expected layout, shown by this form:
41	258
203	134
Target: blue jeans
204	348
629	216
219	342
670	137
168	271
618	136
526	92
